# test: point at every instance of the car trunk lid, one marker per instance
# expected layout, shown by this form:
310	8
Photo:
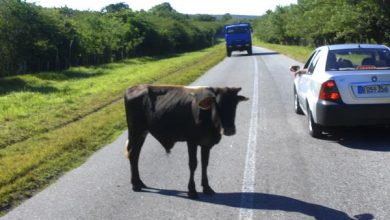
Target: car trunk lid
363	86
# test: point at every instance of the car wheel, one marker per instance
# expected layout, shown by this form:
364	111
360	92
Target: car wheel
297	107
315	130
249	51
228	52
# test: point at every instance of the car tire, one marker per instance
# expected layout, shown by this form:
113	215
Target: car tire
249	51
297	107
315	130
228	52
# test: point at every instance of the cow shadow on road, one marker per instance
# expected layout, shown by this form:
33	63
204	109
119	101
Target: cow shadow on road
264	201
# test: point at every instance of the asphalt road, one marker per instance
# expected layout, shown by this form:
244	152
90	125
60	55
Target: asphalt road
271	169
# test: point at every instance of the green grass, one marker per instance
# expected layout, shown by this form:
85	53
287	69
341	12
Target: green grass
38	103
298	53
51	122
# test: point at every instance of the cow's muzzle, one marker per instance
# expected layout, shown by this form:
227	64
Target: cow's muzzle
229	131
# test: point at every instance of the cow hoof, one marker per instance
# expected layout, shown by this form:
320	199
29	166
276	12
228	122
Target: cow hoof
193	195
137	187
208	191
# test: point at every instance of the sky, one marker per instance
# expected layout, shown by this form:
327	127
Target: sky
240	7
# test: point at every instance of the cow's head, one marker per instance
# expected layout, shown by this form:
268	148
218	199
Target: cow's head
223	104
227	100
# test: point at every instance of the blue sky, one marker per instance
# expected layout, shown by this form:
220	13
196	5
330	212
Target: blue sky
243	7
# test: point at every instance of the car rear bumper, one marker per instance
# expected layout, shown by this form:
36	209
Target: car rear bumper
240	47
331	114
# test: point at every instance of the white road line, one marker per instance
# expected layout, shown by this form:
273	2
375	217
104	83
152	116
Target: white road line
246	210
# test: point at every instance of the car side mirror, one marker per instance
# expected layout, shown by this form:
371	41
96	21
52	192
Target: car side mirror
295	68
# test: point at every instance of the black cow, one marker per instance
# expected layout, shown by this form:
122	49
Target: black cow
197	115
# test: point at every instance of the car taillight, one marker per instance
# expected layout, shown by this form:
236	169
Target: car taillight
329	91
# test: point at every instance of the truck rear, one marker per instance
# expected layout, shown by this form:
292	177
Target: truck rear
238	37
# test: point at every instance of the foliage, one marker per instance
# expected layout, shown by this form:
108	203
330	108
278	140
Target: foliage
322	22
113	8
34	39
298	53
203	17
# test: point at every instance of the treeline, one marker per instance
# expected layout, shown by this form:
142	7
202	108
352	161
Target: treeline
33	38
320	22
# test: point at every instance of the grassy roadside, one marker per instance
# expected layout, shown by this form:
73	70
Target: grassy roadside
38	103
51	122
298	53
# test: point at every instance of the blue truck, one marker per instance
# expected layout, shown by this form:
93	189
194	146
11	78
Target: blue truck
238	37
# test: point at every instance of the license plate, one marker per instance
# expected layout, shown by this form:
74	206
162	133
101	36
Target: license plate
371	89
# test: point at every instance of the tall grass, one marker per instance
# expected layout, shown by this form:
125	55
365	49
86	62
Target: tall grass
51	122
296	52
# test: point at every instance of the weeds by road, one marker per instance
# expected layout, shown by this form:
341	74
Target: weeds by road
296	52
51	122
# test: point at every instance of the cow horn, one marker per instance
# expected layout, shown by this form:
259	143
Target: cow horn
236	89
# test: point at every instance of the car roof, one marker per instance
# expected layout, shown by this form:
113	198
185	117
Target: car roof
238	25
355	46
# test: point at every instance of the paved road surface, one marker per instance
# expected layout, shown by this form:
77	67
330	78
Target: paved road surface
271	169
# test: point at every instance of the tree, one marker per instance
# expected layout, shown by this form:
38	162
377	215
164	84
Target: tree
226	17
33	38
327	22
162	9
202	17
112	8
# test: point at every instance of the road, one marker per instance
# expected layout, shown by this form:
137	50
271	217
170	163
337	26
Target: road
271	169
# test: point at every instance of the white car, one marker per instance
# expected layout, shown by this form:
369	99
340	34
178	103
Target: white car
344	85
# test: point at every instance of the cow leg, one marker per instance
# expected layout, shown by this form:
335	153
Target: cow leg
193	162
205	152
136	140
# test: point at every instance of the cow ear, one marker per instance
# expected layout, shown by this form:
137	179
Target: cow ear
242	98
236	89
206	103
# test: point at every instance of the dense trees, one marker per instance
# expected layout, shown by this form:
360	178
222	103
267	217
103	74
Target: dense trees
319	22
33	38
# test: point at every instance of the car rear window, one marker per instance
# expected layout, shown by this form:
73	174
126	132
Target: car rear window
358	59
238	30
